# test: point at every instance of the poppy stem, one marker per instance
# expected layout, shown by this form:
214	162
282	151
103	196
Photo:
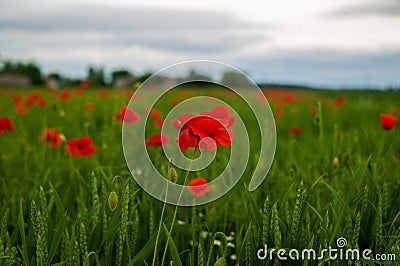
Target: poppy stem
177	205
117	177
161	218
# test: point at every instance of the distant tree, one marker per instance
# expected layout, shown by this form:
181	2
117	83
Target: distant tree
8	66
120	73
144	76
54	75
30	70
96	76
235	79
193	75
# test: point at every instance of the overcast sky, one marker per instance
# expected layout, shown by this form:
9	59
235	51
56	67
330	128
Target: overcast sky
329	43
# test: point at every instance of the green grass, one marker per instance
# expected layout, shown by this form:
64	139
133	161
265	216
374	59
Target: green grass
55	210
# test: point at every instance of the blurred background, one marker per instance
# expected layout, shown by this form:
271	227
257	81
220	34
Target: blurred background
330	44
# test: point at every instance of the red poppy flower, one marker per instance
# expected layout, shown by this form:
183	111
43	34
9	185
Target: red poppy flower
103	93
79	90
208	130
387	121
35	98
6	124
80	147
158	122
155	114
278	112
175	123
89	106
85	84
340	100
20	109
51	137
295	130
313	110
289	97
198	187
127	115
157	139
42	102
17	99
174	102
222	114
65	94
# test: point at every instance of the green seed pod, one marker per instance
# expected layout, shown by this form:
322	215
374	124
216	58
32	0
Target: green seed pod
113	200
335	162
172	175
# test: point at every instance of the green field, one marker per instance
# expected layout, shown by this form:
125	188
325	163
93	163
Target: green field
339	176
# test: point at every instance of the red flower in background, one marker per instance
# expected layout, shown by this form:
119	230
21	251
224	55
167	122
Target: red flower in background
340	100
127	115
155	114
313	110
198	186
6	124
65	94
174	102
295	130
89	106
289	97
387	121
103	93
80	147
35	98
158	122
17	99
85	84
20	109
157	139
175	123
51	137
278	112
211	127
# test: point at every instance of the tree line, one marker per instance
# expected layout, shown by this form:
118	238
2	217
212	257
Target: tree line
95	75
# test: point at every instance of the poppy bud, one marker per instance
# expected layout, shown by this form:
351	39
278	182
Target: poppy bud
113	200
172	175
335	162
63	138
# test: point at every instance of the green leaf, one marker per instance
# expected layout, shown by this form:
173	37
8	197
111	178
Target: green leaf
172	248
145	251
21	224
58	234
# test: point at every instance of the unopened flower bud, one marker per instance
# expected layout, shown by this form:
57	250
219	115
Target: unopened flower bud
113	200
172	175
63	138
335	162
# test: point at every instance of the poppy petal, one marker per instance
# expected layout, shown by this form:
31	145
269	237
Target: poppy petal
223	137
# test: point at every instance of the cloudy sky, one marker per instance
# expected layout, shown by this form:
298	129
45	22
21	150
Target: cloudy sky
321	43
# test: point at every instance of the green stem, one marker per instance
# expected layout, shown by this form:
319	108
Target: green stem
177	205
161	218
